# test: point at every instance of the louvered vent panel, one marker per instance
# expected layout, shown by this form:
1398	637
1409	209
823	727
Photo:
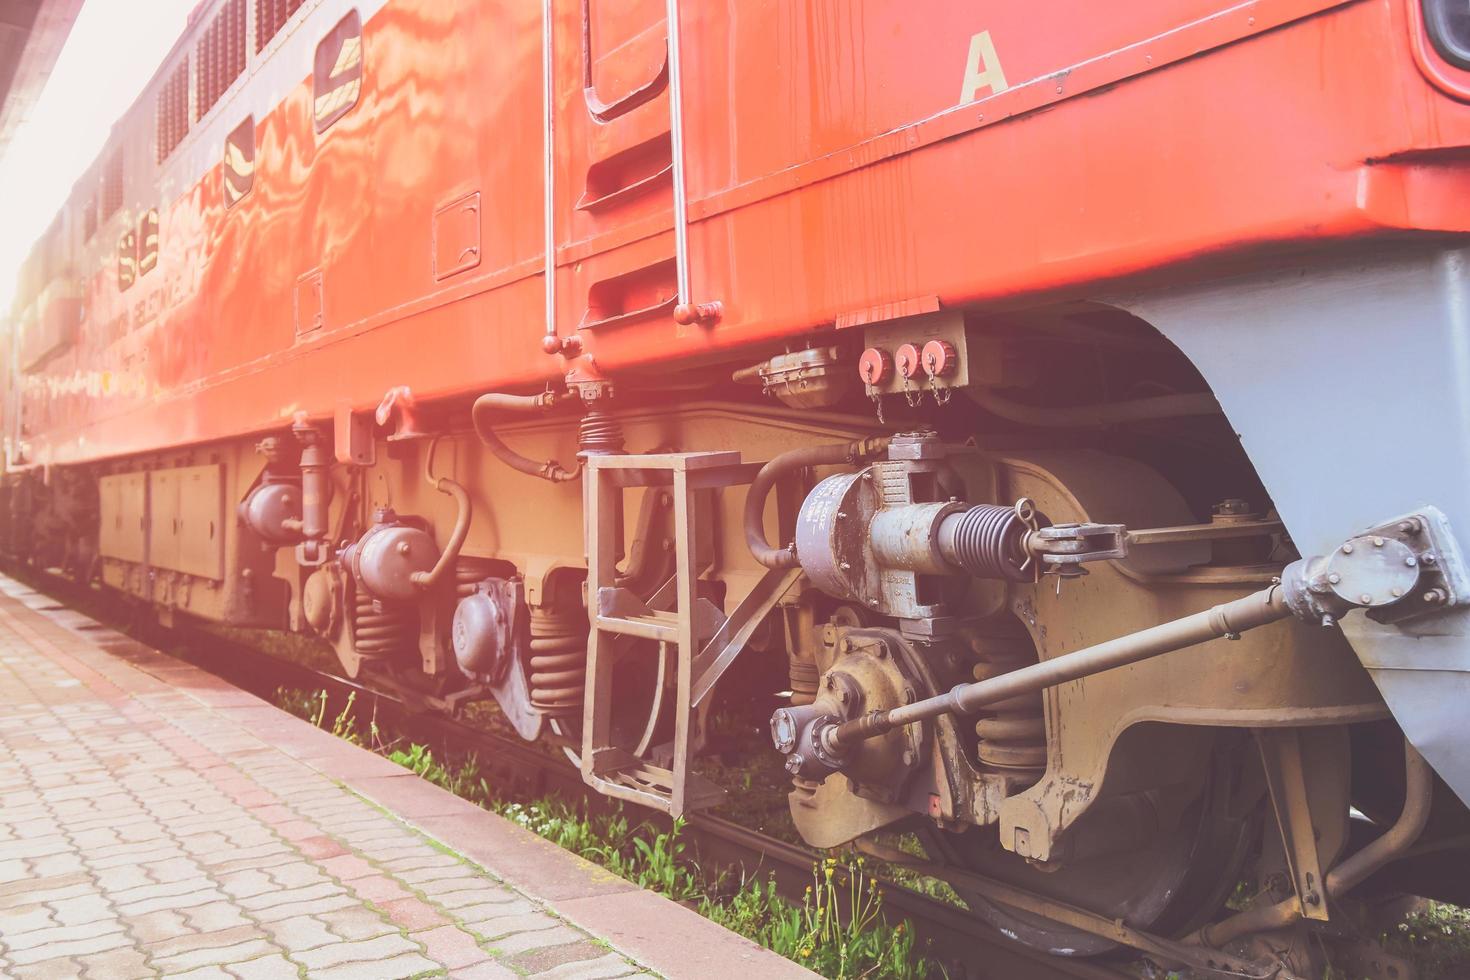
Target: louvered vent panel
112	185
220	56
173	111
270	17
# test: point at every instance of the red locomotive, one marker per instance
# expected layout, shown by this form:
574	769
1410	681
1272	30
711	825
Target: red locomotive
1066	407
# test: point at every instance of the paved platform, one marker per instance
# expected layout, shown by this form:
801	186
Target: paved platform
155	821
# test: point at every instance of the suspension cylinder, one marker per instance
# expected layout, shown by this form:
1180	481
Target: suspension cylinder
316	493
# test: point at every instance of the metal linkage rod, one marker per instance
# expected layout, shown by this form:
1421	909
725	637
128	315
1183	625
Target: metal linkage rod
1228	619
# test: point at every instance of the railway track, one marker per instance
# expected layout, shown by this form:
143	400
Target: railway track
964	946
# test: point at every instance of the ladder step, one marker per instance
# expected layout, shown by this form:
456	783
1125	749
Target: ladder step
654	785
663	627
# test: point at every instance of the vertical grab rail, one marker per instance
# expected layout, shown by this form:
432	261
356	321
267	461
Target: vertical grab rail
550	343
685	311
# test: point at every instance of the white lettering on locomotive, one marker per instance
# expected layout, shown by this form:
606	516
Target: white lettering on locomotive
982	69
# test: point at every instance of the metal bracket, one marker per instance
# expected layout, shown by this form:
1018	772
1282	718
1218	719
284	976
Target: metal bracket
1281	758
1064	548
1401	569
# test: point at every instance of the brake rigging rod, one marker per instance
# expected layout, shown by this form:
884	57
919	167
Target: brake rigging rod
1229	619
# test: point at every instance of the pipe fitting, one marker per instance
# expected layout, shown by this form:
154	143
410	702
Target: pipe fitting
851	453
481	415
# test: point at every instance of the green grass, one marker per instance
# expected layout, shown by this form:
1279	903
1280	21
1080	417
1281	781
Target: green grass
1436	939
837	930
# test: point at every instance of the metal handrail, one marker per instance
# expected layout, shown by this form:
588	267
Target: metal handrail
551	343
685	311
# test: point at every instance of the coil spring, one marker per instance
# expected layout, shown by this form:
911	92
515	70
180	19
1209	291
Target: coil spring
1012	732
599	434
470	572
558	661
382	629
804	678
986	542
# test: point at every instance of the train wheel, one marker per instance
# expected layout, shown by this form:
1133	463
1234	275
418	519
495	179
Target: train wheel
1170	886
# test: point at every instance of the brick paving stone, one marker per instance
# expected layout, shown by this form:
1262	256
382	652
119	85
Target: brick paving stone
14	922
214	916
98	942
378	889
152	927
273	967
347	952
537	939
213	956
450	946
489	970
514	925
434	859
145	832
464	898
313	906
346	867
399	967
320	847
188	900
22	942
487	918
81	910
601	965
412	913
300	932
202	973
56	968
291	896
126	963
357	922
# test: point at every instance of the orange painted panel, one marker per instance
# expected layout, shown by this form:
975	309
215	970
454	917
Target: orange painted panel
843	159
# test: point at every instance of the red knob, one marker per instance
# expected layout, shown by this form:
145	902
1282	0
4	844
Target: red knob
906	359
875	367
940	358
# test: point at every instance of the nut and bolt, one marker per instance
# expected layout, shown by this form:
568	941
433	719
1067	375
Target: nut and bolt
1429	558
1334	578
1365	599
1378	542
1435	597
1411	561
1347	549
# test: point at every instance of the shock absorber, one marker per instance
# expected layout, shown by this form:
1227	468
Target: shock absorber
1012	732
599	434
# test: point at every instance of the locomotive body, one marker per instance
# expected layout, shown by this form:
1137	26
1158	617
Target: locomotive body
514	353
